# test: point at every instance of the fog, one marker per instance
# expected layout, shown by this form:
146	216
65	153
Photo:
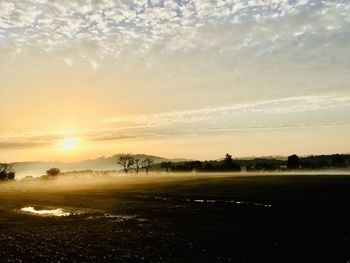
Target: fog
120	181
91	181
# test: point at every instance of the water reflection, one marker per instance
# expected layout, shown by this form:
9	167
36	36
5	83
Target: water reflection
52	212
206	201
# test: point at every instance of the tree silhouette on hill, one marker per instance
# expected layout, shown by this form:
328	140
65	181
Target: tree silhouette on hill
293	162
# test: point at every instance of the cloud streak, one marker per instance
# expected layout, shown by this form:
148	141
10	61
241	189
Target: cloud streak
282	114
22	144
280	106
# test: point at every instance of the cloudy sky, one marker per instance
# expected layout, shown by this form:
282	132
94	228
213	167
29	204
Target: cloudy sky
194	79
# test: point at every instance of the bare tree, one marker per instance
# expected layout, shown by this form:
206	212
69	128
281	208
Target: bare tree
6	171
53	172
147	164
137	163
127	161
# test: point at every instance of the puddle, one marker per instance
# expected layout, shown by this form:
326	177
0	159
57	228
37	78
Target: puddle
227	201
87	215
116	218
248	203
46	212
209	201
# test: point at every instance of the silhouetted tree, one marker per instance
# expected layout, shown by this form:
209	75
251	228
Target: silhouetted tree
53	172
265	166
137	163
196	165
6	171
293	162
228	160
208	166
166	166
229	164
127	161
147	164
338	161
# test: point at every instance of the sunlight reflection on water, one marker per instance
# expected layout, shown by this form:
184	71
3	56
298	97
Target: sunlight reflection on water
53	212
207	201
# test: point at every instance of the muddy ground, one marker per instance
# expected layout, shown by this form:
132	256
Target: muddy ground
185	219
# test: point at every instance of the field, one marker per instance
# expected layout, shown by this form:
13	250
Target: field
178	218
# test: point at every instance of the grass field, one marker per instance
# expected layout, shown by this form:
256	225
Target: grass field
168	218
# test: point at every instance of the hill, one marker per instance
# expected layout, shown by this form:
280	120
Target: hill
103	163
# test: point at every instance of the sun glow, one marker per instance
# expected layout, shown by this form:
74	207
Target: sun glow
69	144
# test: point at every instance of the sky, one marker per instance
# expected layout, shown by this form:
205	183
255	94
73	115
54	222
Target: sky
187	79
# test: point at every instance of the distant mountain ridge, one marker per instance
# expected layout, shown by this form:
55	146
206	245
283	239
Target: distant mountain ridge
103	163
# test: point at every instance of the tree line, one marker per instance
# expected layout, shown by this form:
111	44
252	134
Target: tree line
134	163
294	162
130	162
227	164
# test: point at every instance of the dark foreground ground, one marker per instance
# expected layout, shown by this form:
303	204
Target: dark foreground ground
227	219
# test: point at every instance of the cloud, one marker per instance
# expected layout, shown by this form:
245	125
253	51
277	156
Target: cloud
279	106
33	139
176	25
229	51
113	137
68	61
180	67
308	112
271	127
21	144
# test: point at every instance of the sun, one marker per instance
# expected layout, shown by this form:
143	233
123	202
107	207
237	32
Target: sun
69	144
